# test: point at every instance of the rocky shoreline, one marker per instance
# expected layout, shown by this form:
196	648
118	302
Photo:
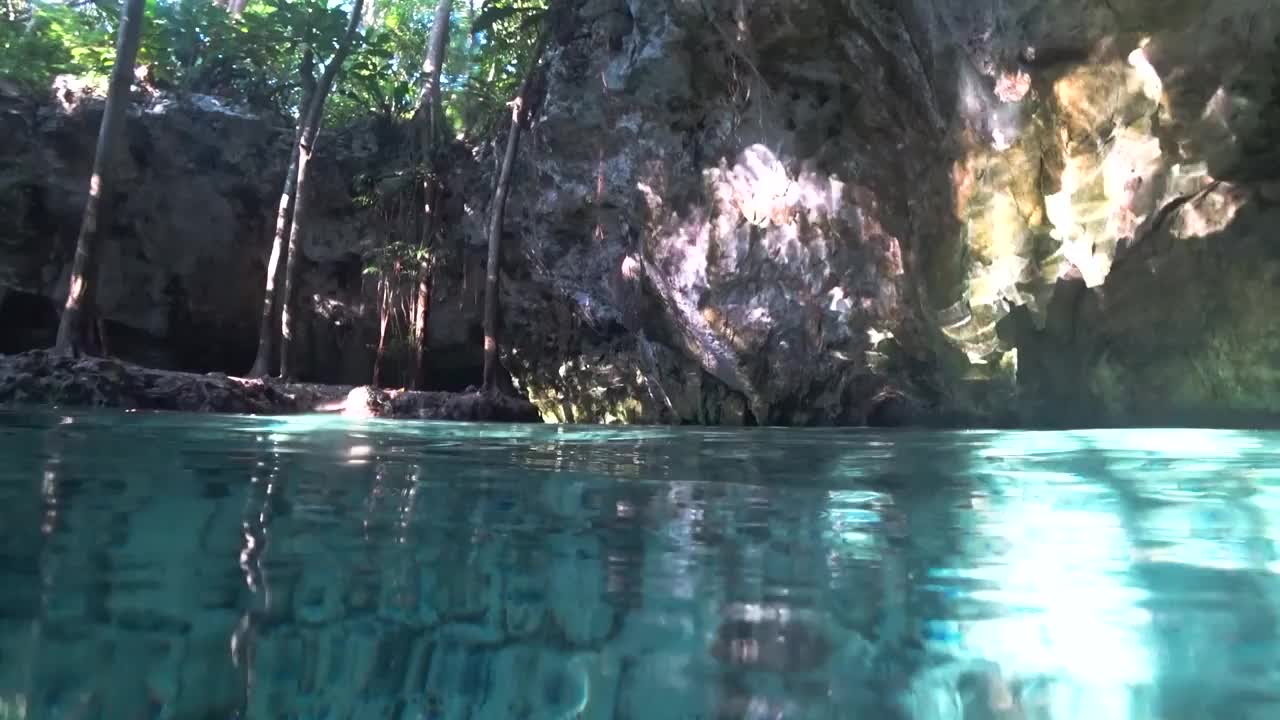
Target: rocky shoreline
39	377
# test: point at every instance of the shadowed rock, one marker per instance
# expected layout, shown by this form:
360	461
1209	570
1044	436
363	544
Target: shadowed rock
39	377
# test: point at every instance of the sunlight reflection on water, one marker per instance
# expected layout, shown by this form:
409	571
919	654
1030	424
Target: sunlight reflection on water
164	565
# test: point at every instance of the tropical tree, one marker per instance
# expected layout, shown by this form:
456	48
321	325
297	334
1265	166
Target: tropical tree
429	118
493	264
72	338
269	318
444	71
309	131
486	46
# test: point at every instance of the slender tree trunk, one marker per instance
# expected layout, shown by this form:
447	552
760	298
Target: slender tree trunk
489	383
428	116
306	147
422	306
235	7
284	221
437	43
300	206
385	311
72	327
422	314
383	317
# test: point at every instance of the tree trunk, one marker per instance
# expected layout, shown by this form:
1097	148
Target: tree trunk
284	221
235	7
422	313
489	382
307	136
287	324
427	116
386	297
437	43
72	327
422	305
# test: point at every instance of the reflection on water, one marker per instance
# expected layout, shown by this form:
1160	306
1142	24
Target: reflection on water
171	566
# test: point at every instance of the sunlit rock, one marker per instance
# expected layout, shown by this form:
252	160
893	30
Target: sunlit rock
1200	353
768	223
718	200
778	215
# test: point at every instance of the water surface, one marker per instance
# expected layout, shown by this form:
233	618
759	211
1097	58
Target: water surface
179	566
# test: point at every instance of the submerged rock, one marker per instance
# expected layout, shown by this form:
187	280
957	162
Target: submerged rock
770	637
41	377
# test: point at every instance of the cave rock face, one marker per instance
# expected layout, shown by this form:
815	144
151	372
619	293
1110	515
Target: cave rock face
189	230
799	211
184	250
736	211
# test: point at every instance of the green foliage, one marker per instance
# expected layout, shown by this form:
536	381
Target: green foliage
500	38
488	42
487	56
382	75
190	46
45	39
195	46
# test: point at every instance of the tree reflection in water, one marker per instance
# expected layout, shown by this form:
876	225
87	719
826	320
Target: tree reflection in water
265	568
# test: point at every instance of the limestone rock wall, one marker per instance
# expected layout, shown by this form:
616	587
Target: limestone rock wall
186	244
795	212
720	200
777	211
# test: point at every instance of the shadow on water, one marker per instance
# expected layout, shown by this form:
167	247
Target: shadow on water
1221	656
198	567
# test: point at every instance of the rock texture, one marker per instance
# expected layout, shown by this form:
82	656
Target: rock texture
185	252
780	211
793	212
41	378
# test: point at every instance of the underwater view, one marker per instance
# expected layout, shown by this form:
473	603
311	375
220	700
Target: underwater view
201	566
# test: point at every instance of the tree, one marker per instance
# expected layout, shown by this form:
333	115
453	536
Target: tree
428	117
386	296
518	106
72	327
284	221
307	136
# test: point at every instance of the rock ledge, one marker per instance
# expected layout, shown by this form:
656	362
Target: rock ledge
40	377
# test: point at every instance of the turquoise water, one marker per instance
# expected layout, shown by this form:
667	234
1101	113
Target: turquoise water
177	566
